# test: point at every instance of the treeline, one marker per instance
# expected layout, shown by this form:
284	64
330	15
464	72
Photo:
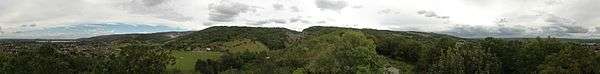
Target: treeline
62	59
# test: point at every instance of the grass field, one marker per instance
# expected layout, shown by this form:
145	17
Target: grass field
185	60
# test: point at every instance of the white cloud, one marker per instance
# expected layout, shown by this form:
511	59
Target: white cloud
227	11
335	5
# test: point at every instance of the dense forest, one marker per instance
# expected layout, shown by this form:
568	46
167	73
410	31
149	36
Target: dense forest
251	50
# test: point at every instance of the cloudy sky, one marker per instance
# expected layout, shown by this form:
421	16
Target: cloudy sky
463	18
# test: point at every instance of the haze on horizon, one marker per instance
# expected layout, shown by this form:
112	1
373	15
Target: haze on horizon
62	19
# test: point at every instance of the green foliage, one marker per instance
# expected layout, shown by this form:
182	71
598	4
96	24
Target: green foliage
4	62
534	52
244	45
571	60
400	48
273	38
344	52
54	58
449	62
147	59
185	60
208	66
48	59
459	57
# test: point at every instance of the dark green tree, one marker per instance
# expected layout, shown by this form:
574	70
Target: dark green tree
571	60
146	59
534	52
344	51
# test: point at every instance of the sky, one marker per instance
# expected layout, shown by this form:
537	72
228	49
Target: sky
69	19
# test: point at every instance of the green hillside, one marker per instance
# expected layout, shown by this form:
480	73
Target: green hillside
274	38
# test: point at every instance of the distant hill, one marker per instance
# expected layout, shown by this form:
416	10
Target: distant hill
148	38
378	33
274	38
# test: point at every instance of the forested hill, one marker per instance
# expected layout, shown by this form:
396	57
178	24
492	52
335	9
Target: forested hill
319	49
274	38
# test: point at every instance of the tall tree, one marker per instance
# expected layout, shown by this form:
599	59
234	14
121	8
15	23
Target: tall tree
571	60
344	51
140	58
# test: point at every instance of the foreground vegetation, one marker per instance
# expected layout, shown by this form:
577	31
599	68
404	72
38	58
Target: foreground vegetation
185	60
315	50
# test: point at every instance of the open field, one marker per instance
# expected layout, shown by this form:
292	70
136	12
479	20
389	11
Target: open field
185	60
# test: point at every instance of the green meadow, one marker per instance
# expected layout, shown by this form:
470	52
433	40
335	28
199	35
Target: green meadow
185	60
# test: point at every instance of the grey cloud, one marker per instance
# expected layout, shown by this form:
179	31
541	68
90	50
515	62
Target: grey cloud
553	31
1	31
208	23
510	31
558	20
155	8
431	14
513	31
565	24
278	6
278	21
176	17
226	12
575	29
298	19
152	2
479	2
321	22
335	5
468	31
443	17
483	31
295	9
294	20
552	2
502	20
259	23
357	7
388	11
584	11
30	25
597	29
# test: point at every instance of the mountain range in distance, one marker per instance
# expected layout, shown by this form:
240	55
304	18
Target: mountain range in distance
169	36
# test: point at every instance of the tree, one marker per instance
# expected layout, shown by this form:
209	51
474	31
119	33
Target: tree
464	57
208	66
344	51
571	60
449	62
5	59
45	59
534	52
148	59
400	48
505	51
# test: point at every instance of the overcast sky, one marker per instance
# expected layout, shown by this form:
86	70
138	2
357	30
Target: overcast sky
463	18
